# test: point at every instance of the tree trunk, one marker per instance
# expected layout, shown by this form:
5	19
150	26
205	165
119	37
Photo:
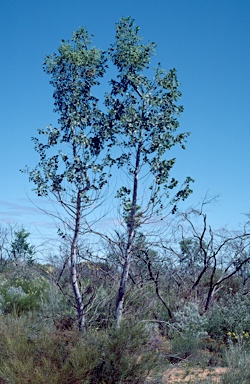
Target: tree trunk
122	290
73	257
131	233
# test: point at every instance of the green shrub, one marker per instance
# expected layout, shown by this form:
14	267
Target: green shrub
229	315
183	346
187	330
238	361
125	356
107	357
21	295
189	321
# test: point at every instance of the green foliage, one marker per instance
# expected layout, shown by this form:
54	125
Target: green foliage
191	254
105	357
72	166
140	302
125	356
141	117
230	314
68	155
188	321
144	112
238	361
20	295
133	130
187	330
183	346
20	248
58	303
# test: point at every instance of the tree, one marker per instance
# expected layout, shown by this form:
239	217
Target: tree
71	168
134	130
210	258
143	113
4	245
20	248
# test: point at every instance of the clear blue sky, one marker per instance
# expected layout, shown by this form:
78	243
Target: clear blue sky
208	41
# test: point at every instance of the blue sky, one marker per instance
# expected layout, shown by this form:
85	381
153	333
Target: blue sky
207	41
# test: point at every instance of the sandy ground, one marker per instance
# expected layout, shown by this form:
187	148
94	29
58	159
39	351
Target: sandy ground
192	375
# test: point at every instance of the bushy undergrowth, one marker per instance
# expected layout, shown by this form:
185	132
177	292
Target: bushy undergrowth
230	314
187	330
238	361
22	295
106	357
37	347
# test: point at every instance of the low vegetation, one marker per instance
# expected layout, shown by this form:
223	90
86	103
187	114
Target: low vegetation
166	336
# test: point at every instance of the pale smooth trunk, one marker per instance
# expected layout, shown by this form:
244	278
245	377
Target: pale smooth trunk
73	258
131	234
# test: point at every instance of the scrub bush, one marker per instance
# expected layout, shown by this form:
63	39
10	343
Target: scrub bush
238	361
108	356
229	315
187	330
22	295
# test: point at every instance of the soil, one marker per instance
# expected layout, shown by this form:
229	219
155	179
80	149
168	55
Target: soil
178	374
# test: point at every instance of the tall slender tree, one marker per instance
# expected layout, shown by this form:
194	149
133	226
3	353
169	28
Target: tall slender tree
143	112
71	167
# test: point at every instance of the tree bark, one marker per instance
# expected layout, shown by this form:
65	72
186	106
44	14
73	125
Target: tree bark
73	258
131	234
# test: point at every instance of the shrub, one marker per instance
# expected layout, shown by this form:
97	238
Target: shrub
125	356
187	330
22	295
238	360
107	357
229	315
188	321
